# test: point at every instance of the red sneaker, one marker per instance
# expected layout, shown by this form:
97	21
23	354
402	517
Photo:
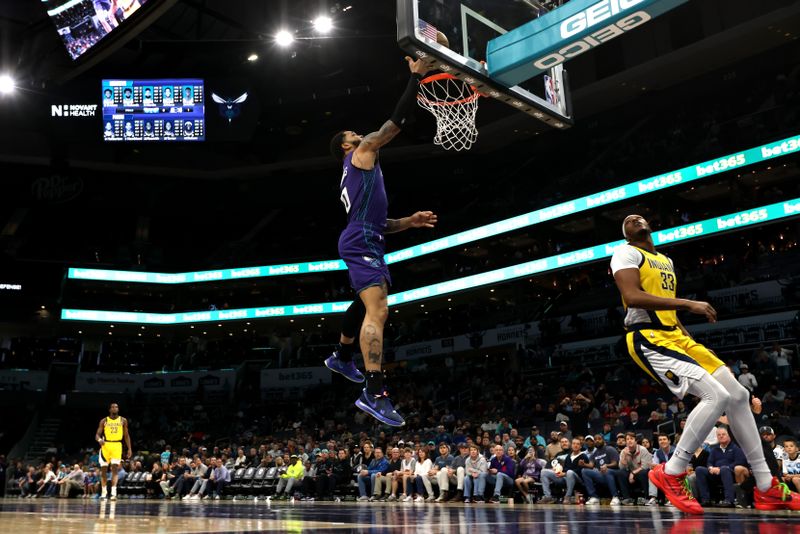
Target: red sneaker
675	489
778	497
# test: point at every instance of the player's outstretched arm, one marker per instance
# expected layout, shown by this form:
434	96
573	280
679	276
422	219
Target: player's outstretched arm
421	219
629	286
367	150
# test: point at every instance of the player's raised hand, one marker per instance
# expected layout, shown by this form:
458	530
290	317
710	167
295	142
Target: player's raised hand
423	219
703	308
416	67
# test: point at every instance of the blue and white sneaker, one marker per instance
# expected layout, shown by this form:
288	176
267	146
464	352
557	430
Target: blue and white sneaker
346	369
380	408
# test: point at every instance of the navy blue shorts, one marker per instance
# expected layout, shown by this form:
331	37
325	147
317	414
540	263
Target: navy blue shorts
362	249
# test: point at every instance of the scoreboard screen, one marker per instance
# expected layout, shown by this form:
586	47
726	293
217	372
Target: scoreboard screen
153	110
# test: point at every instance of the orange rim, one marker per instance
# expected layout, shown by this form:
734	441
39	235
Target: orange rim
444	76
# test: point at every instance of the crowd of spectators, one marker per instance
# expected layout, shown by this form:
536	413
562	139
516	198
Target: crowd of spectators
596	442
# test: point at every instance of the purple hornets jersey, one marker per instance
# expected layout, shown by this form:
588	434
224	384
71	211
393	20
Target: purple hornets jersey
363	194
361	244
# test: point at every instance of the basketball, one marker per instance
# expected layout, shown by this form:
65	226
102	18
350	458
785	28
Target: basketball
442	39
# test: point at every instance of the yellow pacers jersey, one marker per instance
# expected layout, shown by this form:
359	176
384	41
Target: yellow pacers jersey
657	277
113	429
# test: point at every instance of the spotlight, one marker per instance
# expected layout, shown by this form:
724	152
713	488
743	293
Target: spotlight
252	57
284	38
6	84
323	24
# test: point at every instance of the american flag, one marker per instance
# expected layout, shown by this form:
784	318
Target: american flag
428	31
550	90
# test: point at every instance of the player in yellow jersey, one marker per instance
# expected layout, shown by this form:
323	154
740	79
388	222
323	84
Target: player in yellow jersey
661	346
111	432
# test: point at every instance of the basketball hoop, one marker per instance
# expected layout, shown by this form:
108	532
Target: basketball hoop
454	104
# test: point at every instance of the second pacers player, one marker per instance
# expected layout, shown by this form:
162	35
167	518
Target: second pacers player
111	432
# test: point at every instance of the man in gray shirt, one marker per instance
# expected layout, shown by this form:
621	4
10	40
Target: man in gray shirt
74	480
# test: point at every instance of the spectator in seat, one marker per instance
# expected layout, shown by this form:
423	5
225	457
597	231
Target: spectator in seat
454	474
782	357
442	435
46	484
420	477
356	458
201	483
166	458
620	442
186	483
747	379
27	484
553	448
292	477
317	480
727	465
774	458
379	465
153	480
440	465
634	423
534	440
241	459
91	484
564	447
502	472
219	479
486	447
775	449
407	468
774	396
530	469
603	462
567	472
476	469
385	484
564	430
368	452
791	464
661	455
73	481
634	465
173	476
342	472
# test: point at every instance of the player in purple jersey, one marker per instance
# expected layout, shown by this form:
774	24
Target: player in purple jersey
362	246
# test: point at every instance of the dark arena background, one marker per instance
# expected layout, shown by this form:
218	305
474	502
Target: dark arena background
170	223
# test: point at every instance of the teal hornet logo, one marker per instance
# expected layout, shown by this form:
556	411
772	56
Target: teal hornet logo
229	108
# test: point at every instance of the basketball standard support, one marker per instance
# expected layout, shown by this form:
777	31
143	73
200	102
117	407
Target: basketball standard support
566	32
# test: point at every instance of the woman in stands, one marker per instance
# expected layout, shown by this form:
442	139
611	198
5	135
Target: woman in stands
420	477
530	469
154	479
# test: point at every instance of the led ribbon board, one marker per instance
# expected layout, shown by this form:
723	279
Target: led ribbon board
642	187
564	33
765	214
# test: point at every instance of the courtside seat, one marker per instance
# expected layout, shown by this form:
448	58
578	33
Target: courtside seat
257	484
270	481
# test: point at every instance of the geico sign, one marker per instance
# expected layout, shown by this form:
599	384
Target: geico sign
592	40
595	15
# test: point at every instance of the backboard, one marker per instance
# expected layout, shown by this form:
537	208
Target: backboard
469	25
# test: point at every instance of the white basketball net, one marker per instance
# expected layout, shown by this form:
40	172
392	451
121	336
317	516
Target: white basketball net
454	104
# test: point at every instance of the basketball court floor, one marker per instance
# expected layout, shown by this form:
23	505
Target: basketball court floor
142	517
